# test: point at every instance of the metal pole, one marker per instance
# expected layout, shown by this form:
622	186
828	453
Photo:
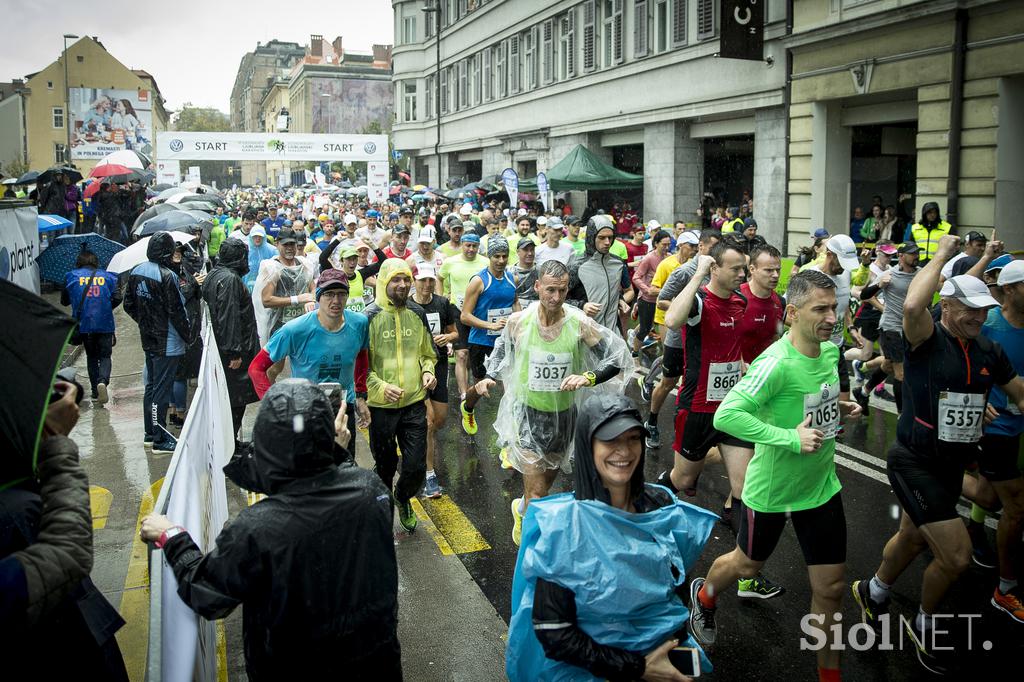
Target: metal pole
67	103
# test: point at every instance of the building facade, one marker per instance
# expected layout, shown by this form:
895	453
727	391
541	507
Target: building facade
520	83
907	99
92	74
13	138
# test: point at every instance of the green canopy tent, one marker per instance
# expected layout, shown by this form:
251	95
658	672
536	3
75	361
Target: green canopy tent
581	170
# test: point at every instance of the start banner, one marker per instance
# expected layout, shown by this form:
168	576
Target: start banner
270	146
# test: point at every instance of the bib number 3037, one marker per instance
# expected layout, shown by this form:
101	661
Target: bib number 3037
961	416
548	370
722	376
823	409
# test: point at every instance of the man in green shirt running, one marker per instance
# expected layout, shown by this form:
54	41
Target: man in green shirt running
456	271
788	405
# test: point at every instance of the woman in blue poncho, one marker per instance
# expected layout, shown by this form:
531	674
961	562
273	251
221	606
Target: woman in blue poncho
259	251
596	593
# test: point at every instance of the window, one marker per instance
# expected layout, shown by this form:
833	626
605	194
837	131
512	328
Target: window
705	19
548	50
429	23
488	76
640	28
408	30
444	90
662	25
502	71
678	23
589	34
448	15
60	153
530	57
49	85
514	70
429	100
409	101
463	100
611	32
58	117
567	46
475	85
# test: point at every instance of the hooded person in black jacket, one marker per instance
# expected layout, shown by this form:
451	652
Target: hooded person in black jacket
154	300
313	565
234	323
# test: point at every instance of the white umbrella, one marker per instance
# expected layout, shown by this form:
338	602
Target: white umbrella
125	260
124	157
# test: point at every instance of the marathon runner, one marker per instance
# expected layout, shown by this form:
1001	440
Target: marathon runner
455	274
788	405
713	315
762	321
441	316
840	260
284	288
542	358
949	369
455	229
524	273
426	250
490	299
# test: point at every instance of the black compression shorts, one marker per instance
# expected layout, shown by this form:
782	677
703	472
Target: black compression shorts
927	487
891	344
821	532
696	434
672	364
997	460
439	394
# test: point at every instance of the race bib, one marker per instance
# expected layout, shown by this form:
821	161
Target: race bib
823	409
356	305
434	322
548	370
459	300
293	311
496	315
722	376
961	416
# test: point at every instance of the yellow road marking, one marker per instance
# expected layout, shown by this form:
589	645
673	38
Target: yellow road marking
459	532
133	638
222	652
99	502
431	529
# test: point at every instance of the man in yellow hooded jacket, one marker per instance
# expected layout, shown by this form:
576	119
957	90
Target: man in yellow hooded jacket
401	372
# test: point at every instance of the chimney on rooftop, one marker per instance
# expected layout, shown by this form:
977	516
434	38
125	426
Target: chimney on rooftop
316	45
337	47
382	54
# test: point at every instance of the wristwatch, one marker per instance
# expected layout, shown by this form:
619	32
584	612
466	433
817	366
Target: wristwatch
167	535
591	378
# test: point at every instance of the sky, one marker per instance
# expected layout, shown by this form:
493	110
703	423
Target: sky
192	53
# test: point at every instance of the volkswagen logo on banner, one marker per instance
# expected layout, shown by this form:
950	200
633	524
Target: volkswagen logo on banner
369	147
177	145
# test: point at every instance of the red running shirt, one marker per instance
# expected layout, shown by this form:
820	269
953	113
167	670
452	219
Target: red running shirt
713	353
762	322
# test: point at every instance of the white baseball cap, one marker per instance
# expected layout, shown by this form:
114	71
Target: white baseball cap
845	250
653	225
350	219
689	237
969	290
426	235
425	271
1012	273
542	220
467	209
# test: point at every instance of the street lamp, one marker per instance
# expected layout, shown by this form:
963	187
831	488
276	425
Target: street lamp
435	9
67	98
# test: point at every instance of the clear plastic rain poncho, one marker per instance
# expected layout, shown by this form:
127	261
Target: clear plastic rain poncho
288	281
536	419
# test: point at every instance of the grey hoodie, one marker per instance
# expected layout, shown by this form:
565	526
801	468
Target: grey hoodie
600	274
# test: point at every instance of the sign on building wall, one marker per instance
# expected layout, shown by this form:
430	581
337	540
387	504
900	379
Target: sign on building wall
195	174
106	121
742	29
270	146
168	172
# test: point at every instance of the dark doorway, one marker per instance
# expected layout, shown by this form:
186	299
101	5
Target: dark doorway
729	168
884	163
629	158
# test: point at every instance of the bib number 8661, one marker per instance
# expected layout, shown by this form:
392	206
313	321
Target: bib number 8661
724	382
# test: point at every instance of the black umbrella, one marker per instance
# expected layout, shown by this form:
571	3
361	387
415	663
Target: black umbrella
30	354
51	173
28	178
154	211
161	187
173	221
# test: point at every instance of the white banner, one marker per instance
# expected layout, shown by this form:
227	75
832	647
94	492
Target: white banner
19	247
195	174
270	146
194	496
377	181
168	172
107	121
542	187
511	181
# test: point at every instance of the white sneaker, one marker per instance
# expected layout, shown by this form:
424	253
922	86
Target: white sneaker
103	395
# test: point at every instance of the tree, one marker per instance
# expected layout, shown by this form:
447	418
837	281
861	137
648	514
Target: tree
205	120
14	168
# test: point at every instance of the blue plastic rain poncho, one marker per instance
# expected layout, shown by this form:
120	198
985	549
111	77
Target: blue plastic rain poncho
619	565
257	254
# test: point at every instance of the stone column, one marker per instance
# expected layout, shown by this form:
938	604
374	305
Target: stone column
830	169
770	174
673	168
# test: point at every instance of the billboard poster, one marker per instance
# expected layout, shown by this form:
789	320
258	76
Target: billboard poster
104	121
377	181
270	147
168	172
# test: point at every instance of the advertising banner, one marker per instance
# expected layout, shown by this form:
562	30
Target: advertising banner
511	181
270	146
182	646
106	121
542	187
168	172
195	174
377	181
19	247
742	29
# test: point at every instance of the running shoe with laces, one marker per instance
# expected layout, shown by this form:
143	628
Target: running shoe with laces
406	515
884	394
517	522
982	553
653	440
503	456
645	389
935	660
870	610
1009	603
857	374
431	488
758	587
468	419
102	394
862	400
702	619
165	446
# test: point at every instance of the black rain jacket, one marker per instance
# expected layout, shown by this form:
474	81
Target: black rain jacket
313	565
155	301
233	318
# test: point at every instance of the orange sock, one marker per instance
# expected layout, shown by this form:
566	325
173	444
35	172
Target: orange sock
706	600
828	675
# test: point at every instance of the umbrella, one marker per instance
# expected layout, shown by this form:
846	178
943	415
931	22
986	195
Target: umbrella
28	178
170	221
30	352
211	199
92	189
135	254
125	157
9	181
49	223
162	186
59	259
109	169
50	173
133	175
154	211
420	188
170	192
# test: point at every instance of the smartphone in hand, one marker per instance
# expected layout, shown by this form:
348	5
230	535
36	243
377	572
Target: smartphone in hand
686	660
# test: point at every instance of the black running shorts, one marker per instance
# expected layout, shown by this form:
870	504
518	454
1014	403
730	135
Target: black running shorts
821	532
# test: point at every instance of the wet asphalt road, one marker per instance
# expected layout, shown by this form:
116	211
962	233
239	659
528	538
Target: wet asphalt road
757	639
